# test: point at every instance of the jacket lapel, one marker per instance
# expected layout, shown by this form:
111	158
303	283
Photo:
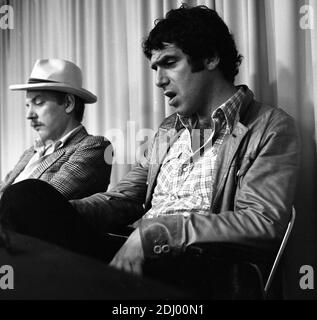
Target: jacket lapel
79	136
230	147
226	154
28	154
47	163
163	142
52	158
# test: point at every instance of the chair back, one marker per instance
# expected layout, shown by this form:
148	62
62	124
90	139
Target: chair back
280	253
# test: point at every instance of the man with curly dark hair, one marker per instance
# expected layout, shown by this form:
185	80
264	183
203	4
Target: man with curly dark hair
200	33
222	168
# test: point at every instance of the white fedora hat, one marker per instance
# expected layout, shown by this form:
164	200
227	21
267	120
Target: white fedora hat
57	75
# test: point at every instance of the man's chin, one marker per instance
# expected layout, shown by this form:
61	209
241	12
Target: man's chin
183	112
40	135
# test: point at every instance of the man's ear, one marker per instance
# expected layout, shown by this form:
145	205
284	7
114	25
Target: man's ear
69	103
212	63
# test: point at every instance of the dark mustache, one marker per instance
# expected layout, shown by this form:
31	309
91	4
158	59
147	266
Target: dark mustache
34	124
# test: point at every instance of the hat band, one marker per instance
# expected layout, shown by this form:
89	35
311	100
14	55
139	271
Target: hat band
35	80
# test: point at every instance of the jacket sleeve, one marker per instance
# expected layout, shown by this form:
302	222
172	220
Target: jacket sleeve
262	206
86	171
24	159
120	206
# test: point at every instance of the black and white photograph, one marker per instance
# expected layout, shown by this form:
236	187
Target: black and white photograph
158	151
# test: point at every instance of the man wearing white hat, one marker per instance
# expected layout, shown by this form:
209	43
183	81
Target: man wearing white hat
64	155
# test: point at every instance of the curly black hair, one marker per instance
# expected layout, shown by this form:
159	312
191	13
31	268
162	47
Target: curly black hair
201	34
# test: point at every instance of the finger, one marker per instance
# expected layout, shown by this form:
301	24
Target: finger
137	268
126	266
116	262
113	262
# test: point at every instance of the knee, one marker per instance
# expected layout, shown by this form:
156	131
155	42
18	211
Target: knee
19	202
26	187
22	195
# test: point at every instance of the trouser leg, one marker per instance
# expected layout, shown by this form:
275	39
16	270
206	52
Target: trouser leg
35	208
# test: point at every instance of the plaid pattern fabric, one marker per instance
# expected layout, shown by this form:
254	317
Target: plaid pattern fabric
77	170
184	184
42	152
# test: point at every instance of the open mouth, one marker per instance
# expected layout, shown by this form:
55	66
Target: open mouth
171	95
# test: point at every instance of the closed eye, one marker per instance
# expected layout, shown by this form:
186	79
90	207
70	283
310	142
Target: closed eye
39	101
170	63
166	62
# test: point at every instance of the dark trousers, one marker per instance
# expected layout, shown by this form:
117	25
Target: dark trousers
35	208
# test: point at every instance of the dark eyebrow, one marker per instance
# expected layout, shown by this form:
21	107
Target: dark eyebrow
162	60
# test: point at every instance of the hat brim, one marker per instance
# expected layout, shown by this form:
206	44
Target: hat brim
84	94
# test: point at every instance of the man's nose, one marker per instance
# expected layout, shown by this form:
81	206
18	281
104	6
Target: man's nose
31	114
161	79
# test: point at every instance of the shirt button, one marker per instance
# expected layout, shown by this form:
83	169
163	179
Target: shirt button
166	248
157	249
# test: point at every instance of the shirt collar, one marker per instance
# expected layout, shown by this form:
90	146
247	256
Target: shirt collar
226	113
228	110
188	122
43	149
67	136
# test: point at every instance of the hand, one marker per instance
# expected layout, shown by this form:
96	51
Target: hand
130	257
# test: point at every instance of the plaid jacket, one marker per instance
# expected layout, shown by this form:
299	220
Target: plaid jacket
77	170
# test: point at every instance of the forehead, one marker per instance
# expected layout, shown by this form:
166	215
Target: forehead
30	95
168	50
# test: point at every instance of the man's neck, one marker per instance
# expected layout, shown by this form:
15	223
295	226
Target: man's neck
220	93
70	126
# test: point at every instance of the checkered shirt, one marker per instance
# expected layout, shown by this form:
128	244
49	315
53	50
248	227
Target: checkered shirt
184	184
